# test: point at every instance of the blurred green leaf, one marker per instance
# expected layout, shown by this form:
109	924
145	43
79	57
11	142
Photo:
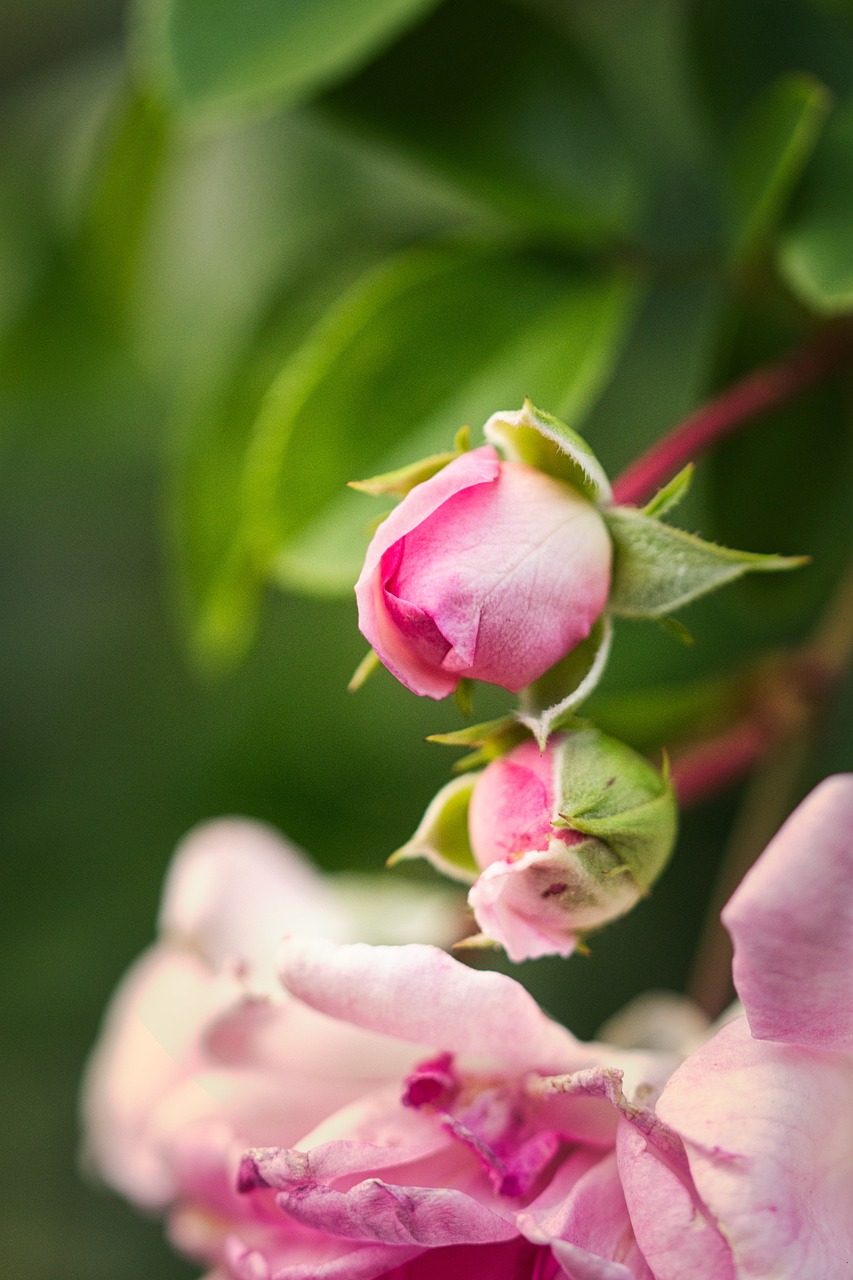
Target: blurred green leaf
768	154
437	338
117	212
816	251
506	108
220	55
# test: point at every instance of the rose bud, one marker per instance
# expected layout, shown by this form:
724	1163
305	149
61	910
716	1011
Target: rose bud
489	570
566	839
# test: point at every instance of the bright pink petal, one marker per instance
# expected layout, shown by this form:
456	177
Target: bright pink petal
770	1144
478	467
791	921
421	995
512	805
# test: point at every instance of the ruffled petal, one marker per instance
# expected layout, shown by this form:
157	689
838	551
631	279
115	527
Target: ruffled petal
422	995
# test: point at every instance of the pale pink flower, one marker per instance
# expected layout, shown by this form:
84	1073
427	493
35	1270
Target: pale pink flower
490	570
395	1114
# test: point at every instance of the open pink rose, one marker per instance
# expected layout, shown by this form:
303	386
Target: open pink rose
490	570
395	1114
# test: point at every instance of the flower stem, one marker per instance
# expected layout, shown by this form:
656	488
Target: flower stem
764	389
776	736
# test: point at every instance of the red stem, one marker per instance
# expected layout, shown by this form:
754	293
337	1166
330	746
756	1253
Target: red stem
719	762
759	391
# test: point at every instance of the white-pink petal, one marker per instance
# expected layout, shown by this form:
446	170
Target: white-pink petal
769	1139
422	995
791	921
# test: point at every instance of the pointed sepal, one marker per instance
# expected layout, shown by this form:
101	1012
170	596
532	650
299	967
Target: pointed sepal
607	790
442	836
658	568
396	484
542	441
551	701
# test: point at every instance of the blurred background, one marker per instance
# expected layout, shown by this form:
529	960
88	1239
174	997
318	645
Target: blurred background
250	251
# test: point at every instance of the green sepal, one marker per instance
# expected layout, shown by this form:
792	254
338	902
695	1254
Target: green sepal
658	568
542	441
370	662
492	738
551	701
671	494
442	835
609	791
400	482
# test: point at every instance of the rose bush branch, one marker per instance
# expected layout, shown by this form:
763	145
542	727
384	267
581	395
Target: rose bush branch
788	695
747	399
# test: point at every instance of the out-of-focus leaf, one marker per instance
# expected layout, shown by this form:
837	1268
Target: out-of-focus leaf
117	212
816	251
224	55
505	107
438	338
768	154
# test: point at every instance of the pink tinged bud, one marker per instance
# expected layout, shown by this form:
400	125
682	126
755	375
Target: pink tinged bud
489	570
543	881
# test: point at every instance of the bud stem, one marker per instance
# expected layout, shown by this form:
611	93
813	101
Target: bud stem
759	391
777	736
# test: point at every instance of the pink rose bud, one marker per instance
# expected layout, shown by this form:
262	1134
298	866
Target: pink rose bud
548	876
489	570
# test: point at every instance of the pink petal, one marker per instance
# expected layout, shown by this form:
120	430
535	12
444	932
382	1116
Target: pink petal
791	921
512	805
768	1136
587	1224
478	467
235	887
509	906
420	994
400	1215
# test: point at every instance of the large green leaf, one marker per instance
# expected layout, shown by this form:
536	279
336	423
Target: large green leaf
437	338
223	55
506	108
816	252
768	154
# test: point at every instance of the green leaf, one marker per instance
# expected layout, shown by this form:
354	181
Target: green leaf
118	210
500	103
426	343
671	494
768	155
442	835
218	55
658	568
816	250
551	700
543	441
608	791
